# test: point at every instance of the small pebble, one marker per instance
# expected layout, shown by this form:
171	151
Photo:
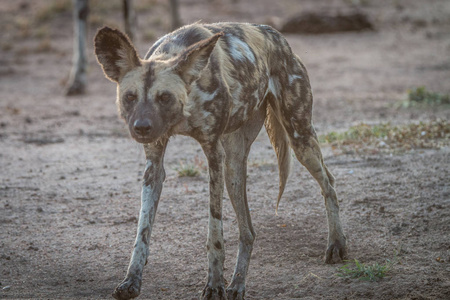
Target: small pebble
6	288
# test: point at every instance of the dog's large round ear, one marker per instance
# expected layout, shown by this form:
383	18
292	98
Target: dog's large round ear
115	53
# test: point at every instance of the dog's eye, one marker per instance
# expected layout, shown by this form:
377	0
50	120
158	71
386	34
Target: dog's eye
165	98
130	97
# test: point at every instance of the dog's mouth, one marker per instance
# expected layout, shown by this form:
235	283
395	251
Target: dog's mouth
143	139
147	138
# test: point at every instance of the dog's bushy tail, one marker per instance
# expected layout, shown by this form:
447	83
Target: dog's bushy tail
280	144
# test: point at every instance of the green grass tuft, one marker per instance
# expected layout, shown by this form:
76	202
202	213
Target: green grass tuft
421	95
357	270
187	170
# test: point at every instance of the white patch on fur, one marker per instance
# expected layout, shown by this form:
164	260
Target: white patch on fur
194	107
146	217
294	77
256	94
274	86
140	251
204	96
149	164
239	50
259	100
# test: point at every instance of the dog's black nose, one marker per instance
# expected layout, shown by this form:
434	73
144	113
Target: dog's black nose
142	127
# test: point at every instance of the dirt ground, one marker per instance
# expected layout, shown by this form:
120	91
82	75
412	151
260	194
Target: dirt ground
71	175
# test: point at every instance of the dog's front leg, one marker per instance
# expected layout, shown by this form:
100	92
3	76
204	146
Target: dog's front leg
151	190
215	288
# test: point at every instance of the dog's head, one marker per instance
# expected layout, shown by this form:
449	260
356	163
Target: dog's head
151	94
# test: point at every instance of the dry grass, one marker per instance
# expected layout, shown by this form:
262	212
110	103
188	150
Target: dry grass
191	169
388	138
53	8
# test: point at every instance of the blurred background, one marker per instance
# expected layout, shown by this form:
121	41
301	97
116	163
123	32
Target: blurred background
350	46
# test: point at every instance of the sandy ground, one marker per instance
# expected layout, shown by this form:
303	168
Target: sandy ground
71	176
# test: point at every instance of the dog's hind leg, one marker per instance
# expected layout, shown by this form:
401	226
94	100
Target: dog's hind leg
237	146
294	110
307	151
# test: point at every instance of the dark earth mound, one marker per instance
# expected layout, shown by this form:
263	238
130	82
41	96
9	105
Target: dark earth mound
316	23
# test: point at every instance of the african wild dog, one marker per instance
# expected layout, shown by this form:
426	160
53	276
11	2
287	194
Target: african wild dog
218	83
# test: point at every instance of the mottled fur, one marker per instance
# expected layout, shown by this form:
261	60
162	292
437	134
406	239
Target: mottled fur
218	83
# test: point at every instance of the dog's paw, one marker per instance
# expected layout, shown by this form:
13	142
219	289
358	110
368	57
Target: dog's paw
127	289
76	88
235	293
217	293
336	252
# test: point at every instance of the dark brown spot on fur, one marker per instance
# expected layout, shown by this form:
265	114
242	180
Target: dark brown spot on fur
154	173
235	30
269	32
166	48
149	77
218	245
149	175
215	214
145	235
189	36
213	28
154	47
